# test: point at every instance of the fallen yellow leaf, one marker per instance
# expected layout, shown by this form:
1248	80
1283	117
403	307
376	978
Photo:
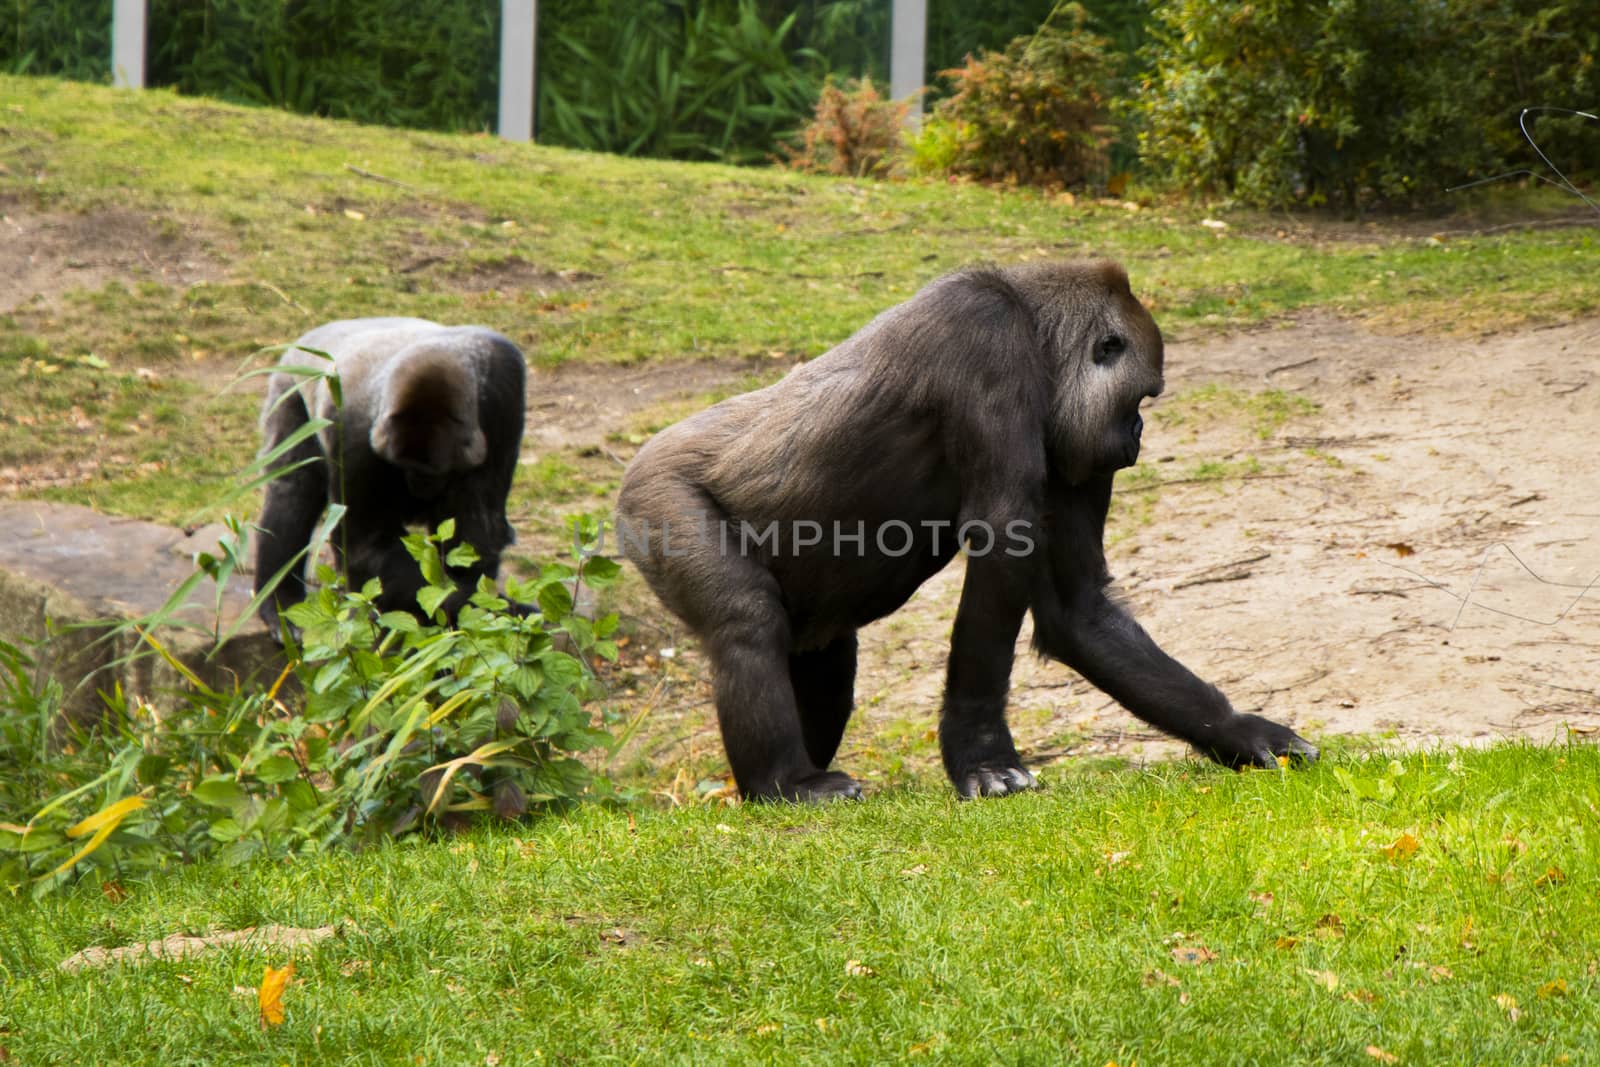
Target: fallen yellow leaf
1552	876
1508	1004
1381	1056
269	998
1556	987
1326	979
1404	847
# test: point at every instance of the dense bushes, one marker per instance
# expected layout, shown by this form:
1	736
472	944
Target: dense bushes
1342	103
1353	102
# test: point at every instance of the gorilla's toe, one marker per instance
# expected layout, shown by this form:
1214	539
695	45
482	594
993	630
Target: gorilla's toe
989	780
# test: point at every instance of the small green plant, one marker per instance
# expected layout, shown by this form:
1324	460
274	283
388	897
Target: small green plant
1033	113
393	725
854	132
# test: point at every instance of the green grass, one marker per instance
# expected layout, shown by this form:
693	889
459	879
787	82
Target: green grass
1174	915
248	226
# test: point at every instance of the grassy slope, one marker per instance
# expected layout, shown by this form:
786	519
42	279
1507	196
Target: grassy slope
1036	929
578	257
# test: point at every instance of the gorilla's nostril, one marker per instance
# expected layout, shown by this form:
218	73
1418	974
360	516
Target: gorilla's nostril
1138	425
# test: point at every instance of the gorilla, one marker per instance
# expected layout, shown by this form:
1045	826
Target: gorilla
426	426
989	412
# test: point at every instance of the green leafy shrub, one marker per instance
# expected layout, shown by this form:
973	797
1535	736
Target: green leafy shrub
396	726
1353	102
1034	112
854	132
684	79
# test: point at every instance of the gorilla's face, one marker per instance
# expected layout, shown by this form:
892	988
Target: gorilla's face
1115	368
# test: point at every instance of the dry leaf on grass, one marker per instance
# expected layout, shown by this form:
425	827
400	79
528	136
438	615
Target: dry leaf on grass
1193	955
1404	847
1326	979
1552	876
1508	1004
1381	1056
1329	925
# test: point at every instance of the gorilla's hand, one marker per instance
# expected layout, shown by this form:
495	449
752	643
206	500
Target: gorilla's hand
1251	741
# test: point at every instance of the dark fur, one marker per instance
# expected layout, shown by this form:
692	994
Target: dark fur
992	395
429	428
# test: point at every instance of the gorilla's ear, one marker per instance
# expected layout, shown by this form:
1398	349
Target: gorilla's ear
381	438
476	451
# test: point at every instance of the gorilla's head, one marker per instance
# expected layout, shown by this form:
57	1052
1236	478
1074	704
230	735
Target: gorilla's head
427	419
1108	356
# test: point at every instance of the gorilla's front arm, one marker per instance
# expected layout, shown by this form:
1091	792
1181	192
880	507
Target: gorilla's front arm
1076	622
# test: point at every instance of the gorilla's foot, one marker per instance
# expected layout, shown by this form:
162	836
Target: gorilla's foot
823	786
995	779
1251	741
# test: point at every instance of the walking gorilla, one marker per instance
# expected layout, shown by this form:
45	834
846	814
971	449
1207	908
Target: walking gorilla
427	426
995	405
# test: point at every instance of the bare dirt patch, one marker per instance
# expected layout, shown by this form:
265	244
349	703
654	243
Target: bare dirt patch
43	255
578	405
1412	561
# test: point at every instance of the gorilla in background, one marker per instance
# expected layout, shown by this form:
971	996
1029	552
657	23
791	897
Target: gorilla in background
990	410
429	428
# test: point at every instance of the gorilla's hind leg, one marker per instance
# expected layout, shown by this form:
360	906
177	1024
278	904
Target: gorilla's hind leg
762	730
824	692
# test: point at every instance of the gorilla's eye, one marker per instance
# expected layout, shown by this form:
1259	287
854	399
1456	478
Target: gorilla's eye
1110	348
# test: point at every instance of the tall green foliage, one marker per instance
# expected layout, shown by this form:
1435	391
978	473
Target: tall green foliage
686	79
69	38
381	61
1354	102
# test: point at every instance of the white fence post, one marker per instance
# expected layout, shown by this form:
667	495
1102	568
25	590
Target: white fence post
908	49
519	21
127	43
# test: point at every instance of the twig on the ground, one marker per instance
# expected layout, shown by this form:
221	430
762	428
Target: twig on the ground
1314	676
1223	572
353	169
1291	366
425	261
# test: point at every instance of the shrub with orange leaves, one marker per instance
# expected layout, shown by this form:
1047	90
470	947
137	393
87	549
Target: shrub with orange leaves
854	133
